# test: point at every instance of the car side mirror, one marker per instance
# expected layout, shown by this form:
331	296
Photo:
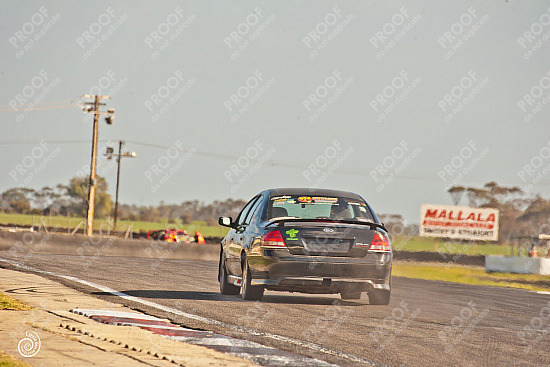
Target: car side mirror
226	222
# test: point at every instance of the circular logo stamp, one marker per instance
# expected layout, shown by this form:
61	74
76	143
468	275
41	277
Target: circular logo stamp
29	345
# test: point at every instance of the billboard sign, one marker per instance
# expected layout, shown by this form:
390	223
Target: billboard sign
460	222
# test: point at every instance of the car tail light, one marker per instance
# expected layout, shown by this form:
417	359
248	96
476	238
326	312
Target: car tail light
380	243
273	239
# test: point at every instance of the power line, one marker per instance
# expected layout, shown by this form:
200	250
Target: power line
53	105
234	158
47	141
38	108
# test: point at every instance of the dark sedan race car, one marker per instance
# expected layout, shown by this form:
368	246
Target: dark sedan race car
309	241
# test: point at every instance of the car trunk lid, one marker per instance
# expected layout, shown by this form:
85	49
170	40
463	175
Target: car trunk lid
326	238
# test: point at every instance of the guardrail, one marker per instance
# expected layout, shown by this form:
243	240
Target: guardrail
23	243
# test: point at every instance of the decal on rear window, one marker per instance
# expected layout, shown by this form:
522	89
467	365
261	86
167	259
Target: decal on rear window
320	208
322	199
292	234
284	197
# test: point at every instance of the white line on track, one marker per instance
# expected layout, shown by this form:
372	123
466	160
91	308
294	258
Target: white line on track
308	345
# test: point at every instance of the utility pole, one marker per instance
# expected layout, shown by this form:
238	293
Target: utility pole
93	107
117	180
109	154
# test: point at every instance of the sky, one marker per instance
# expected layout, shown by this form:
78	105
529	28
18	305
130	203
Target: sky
396	101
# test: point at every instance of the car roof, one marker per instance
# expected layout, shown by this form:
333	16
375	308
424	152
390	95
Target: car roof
312	191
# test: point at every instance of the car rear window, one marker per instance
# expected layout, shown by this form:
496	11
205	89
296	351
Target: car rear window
318	207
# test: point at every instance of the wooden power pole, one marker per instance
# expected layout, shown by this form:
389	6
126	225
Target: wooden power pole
93	107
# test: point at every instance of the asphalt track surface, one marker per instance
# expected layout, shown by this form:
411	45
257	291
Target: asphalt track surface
427	323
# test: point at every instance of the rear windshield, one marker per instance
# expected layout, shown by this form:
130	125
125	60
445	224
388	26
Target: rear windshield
318	207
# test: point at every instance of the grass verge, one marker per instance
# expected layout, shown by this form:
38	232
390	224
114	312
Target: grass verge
470	275
8	303
9	361
105	224
429	244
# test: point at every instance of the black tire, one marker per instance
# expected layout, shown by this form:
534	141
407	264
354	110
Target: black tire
350	295
379	297
225	287
250	292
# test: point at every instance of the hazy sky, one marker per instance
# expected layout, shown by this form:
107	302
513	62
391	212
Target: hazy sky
393	100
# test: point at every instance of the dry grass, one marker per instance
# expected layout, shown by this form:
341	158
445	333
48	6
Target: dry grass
470	275
9	303
8	361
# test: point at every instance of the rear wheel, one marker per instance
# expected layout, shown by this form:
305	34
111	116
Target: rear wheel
225	287
350	295
250	292
379	297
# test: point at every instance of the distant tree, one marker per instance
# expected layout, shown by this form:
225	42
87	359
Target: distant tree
186	218
18	199
478	197
456	193
44	197
395	223
211	221
536	217
510	202
77	191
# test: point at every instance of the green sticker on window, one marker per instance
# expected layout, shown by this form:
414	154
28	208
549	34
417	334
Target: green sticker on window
292	233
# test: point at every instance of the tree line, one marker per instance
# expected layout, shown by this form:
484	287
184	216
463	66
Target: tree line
520	214
72	200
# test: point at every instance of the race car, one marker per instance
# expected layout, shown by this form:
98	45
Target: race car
309	241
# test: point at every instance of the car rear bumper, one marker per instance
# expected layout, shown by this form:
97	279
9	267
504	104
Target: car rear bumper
310	274
322	285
